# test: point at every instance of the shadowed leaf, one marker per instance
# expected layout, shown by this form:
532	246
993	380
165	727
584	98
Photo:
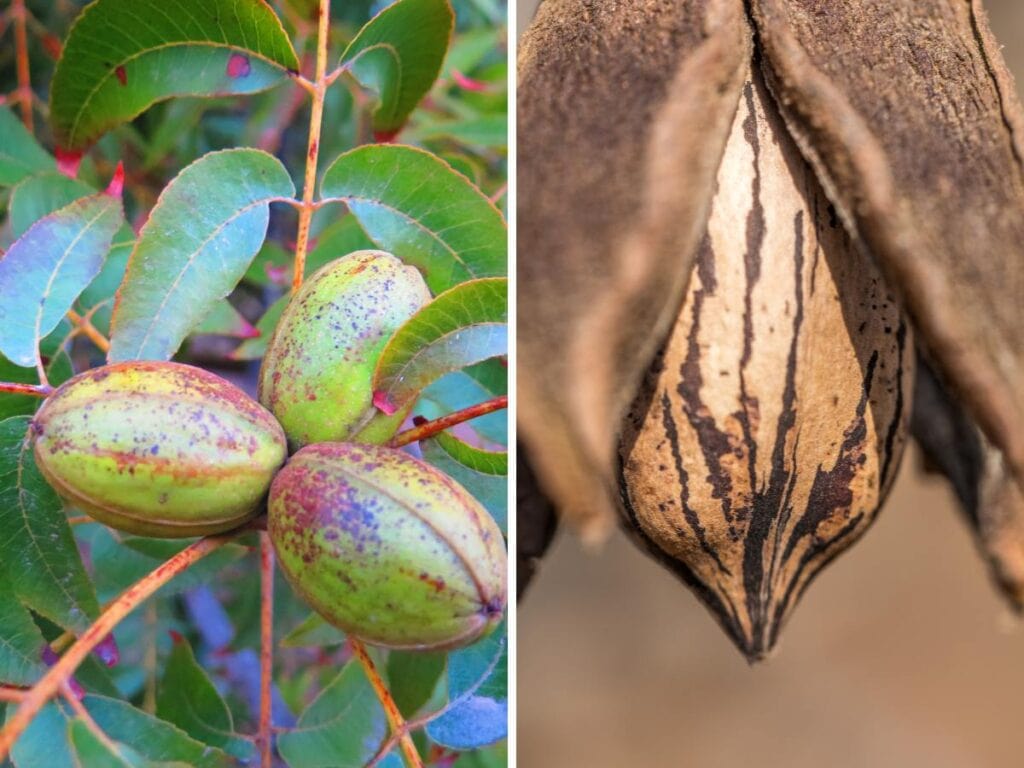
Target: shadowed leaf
20	153
188	699
38	555
478	695
342	728
21	644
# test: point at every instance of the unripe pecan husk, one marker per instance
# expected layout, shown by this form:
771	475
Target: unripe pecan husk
769	429
158	448
317	375
388	548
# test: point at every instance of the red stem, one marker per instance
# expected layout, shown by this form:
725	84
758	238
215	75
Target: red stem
431	428
399	729
50	684
35	390
265	738
21	54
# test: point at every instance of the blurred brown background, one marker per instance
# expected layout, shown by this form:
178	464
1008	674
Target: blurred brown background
900	654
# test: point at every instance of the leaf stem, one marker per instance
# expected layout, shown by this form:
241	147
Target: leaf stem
431	428
313	152
18	14
12	695
84	324
398	725
50	684
35	390
265	738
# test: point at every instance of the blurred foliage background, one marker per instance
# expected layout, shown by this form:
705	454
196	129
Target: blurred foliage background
900	655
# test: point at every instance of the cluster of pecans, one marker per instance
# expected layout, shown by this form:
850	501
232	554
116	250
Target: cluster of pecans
382	545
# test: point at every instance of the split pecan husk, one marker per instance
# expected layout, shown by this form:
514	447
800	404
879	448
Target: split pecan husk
906	113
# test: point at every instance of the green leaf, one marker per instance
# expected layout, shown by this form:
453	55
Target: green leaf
21	644
462	326
342	728
489	489
412	678
45	742
414	205
489	131
99	297
399	54
495	756
154	739
20	153
313	632
42	194
38	555
255	348
119	564
339	238
478	695
188	699
470	48
42	274
123	56
478	459
196	245
225	320
87	751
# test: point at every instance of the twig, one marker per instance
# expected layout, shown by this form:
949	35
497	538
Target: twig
79	520
59	673
313	152
398	724
84	324
149	659
431	428
35	390
18	14
13	695
423	720
266	738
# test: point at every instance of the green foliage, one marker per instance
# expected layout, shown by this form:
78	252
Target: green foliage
462	326
399	54
187	698
21	643
20	153
415	206
122	56
42	274
37	551
197	244
478	690
192	249
341	728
